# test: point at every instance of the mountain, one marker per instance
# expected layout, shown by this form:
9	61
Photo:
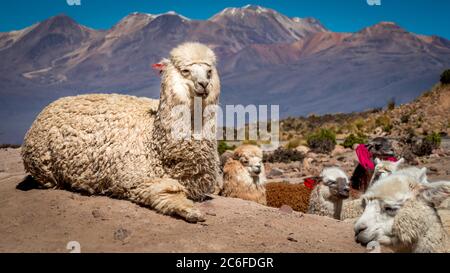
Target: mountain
267	56
258	25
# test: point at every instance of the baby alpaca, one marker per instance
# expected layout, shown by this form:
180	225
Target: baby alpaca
401	213
244	176
328	196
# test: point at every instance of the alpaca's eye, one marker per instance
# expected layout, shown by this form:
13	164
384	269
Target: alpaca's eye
390	210
209	74
185	72
244	161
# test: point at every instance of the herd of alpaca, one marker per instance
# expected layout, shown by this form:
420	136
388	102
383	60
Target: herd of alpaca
123	147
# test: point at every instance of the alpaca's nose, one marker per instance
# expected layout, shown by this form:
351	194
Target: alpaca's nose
360	228
203	84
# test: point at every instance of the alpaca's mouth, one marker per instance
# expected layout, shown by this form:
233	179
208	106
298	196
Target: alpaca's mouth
202	93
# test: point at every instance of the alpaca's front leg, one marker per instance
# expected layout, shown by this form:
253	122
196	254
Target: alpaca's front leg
167	196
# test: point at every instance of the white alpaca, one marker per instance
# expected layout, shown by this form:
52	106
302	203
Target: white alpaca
386	168
330	197
400	212
123	146
419	174
244	176
383	168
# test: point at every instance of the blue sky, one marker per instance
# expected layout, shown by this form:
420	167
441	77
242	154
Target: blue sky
419	16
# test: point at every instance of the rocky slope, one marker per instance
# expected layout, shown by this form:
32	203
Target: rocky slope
428	113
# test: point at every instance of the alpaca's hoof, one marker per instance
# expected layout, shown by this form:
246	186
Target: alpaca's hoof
194	216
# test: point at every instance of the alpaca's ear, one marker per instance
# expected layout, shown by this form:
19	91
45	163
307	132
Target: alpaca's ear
435	193
423	175
377	161
161	65
399	162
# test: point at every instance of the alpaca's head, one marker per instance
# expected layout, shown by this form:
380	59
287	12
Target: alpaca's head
336	182
420	174
191	72
384	168
398	211
380	147
250	156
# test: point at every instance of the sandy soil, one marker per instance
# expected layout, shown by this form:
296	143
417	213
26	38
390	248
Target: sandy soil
33	220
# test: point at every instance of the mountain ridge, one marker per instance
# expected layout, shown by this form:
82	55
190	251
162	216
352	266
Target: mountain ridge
296	63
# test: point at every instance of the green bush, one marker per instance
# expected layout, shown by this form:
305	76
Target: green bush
250	142
12	146
435	139
384	122
223	146
427	145
293	143
445	77
322	142
405	118
391	104
352	139
283	155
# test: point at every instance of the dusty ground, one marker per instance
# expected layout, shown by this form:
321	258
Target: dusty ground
46	220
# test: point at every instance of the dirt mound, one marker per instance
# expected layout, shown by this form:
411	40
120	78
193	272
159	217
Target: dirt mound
33	220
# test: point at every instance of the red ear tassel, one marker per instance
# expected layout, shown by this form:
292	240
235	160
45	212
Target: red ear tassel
158	67
310	183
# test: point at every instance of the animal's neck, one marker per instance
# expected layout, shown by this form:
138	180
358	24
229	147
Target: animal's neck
259	180
338	208
434	240
327	203
178	147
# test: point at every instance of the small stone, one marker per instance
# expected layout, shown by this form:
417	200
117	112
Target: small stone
292	239
96	213
433	169
338	150
286	209
121	234
211	214
275	172
302	149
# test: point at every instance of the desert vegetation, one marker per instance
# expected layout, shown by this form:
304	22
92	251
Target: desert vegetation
445	77
323	141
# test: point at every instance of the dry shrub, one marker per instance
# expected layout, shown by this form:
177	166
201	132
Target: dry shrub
323	141
283	155
12	146
294	195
